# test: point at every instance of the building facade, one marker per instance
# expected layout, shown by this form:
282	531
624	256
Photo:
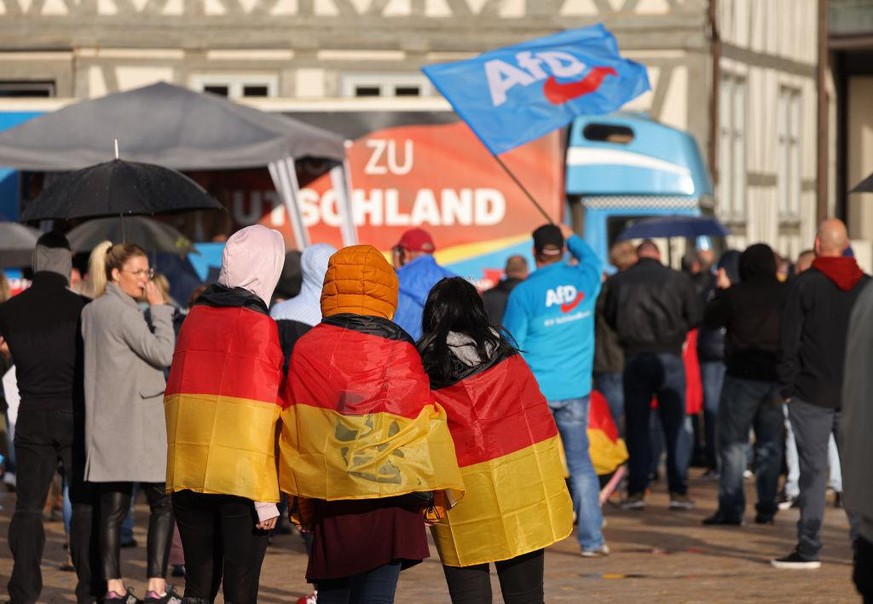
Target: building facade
740	75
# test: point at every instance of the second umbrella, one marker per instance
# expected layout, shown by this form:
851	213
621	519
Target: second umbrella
151	235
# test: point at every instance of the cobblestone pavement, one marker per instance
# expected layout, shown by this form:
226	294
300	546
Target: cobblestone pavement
657	556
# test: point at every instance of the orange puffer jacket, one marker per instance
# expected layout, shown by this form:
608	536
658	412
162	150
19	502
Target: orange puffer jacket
359	281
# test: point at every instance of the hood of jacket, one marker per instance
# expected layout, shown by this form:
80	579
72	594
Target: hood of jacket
253	259
757	262
359	281
305	307
843	271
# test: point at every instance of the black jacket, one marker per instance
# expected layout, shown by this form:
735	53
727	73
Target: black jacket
651	307
750	311
496	297
812	338
42	327
608	355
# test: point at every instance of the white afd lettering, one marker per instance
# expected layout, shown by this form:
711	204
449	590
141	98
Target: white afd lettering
502	76
563	294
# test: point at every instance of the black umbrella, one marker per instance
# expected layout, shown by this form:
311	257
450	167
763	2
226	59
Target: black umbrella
865	186
675	226
151	235
16	244
118	188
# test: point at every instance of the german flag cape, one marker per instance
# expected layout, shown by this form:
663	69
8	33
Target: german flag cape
361	422
606	449
511	459
221	404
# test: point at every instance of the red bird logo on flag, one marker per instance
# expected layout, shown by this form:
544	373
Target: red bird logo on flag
558	93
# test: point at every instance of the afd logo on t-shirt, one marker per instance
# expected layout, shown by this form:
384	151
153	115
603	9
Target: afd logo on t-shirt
567	296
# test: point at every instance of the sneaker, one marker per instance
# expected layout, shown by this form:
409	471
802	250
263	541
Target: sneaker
711	474
597	552
171	597
795	561
762	518
680	502
788	502
117	598
720	519
637	501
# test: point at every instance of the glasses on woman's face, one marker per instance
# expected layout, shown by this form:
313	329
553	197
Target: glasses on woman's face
149	272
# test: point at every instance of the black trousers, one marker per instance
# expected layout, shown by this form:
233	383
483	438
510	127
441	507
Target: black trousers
44	439
220	542
521	580
114	506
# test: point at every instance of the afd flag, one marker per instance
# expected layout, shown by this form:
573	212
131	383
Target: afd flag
512	95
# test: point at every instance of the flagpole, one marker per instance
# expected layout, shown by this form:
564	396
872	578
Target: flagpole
522	187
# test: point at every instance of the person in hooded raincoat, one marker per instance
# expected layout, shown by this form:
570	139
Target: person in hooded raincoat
364	447
221	409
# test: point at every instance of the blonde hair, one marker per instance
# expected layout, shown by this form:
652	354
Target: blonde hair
105	258
5	290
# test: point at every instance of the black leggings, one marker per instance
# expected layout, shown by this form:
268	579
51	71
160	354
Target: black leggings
521	580
220	541
114	507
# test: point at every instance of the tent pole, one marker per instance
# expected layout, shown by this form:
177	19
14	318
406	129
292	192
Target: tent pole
285	180
340	177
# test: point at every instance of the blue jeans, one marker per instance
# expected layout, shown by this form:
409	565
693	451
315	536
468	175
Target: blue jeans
611	386
712	378
571	415
647	375
749	404
375	586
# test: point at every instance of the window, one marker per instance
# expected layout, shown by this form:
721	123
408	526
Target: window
385	85
789	153
27	89
236	86
732	147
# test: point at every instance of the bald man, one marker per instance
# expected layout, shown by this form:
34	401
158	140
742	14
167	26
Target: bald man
812	341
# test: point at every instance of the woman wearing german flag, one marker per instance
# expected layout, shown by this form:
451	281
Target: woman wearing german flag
221	406
508	448
365	450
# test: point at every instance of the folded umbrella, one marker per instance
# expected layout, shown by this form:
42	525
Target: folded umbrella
151	235
118	188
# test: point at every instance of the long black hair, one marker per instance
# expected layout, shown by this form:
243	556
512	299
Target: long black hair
454	305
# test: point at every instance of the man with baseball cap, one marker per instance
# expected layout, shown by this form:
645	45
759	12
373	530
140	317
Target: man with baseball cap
417	273
551	317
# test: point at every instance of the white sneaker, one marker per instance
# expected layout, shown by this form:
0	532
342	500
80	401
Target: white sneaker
598	552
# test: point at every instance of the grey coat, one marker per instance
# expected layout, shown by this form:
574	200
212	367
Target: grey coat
125	430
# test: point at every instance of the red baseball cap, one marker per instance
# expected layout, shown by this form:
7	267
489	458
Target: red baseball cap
417	240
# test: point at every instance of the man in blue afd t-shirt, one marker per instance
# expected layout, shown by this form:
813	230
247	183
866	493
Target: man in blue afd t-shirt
551	317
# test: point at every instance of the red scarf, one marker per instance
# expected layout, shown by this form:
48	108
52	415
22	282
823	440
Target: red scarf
843	271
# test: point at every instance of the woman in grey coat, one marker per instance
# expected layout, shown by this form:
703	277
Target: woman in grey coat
126	437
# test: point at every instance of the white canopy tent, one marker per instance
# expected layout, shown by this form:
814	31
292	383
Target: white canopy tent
175	127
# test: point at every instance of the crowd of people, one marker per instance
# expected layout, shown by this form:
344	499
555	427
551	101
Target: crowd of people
378	400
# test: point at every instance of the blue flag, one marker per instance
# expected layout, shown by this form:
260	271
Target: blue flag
515	94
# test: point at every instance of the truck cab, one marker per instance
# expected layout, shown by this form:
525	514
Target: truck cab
624	167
